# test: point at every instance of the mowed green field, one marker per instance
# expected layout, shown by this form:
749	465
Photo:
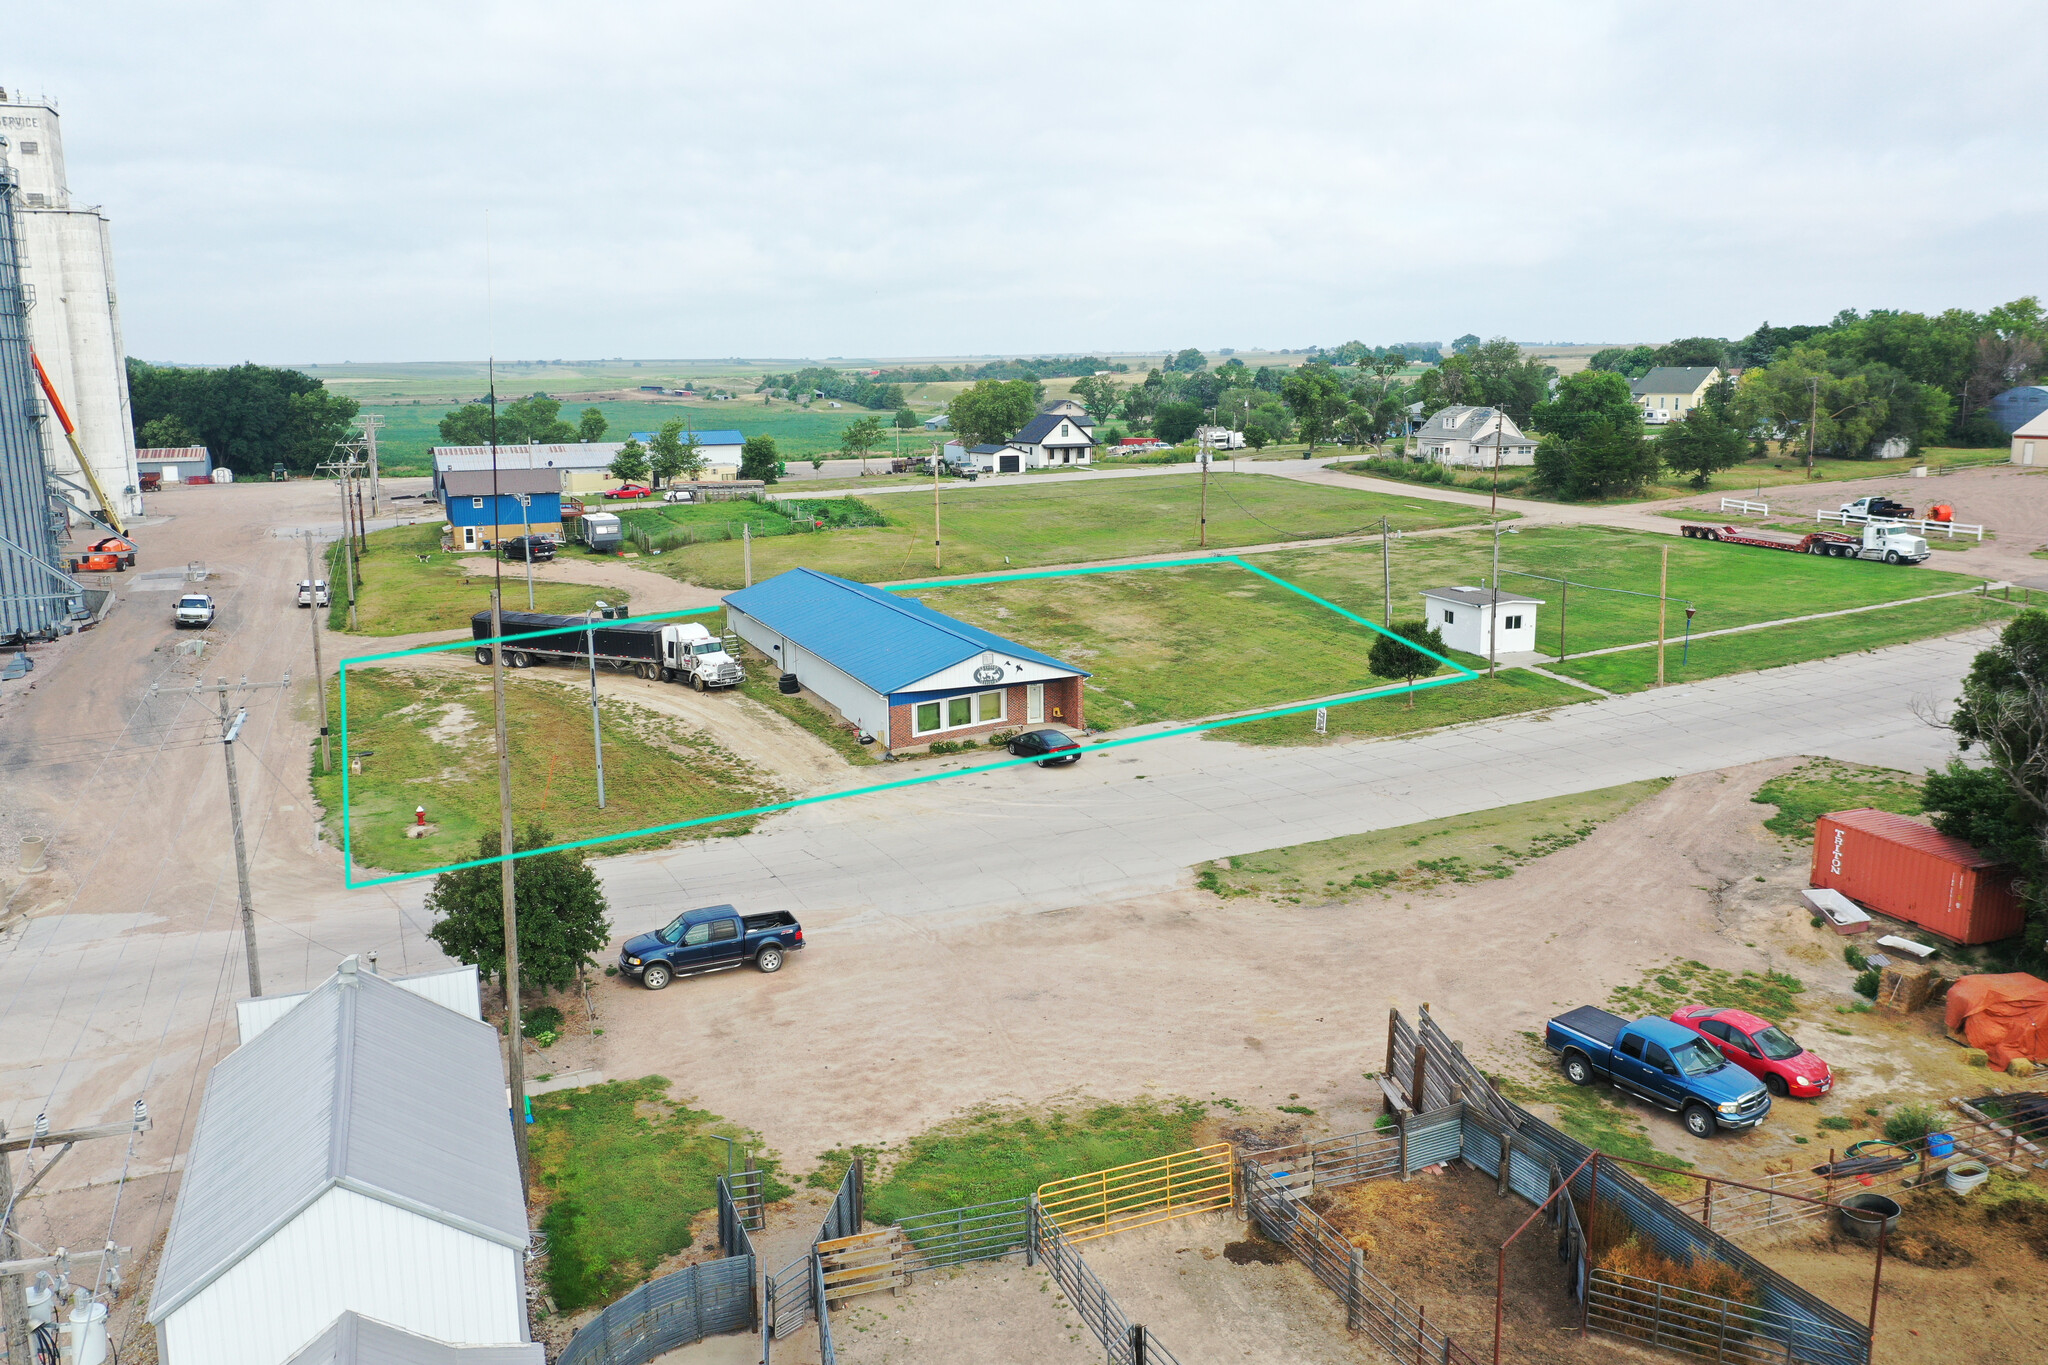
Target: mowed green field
410	584
1731	585
409	432
1017	526
428	737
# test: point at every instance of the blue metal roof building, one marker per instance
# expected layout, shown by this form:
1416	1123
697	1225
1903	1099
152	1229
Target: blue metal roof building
2014	408
897	670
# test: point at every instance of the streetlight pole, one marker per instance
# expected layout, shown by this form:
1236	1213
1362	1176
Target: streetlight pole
313	610
1493	508
596	729
231	730
1387	573
1493	608
526	527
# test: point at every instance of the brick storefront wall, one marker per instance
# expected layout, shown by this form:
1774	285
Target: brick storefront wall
1063	703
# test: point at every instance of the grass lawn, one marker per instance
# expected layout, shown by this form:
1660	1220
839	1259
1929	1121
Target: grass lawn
1019	526
1823	785
1005	1153
1766	474
1419	857
401	595
596	1154
429	734
760	685
1731	585
410	432
1174	644
1778	645
671	525
1588	1114
1513	692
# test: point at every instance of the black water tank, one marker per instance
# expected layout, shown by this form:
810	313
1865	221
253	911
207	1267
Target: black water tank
789	685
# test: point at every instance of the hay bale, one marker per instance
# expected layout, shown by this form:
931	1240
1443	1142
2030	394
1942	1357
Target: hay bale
1973	1056
2020	1067
1904	987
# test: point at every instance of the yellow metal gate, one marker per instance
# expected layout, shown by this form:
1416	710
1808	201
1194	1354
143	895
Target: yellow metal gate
1084	1207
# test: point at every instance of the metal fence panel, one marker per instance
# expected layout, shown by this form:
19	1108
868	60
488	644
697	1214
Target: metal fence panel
1086	1292
1529	1176
790	1298
673	1311
826	1355
980	1232
1433	1139
1140	1192
1703	1325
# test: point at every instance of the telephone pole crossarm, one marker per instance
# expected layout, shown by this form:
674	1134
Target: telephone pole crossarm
67	1136
63	1260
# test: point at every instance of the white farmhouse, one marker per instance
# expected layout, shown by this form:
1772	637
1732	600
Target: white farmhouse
354	1157
1469	437
1464	616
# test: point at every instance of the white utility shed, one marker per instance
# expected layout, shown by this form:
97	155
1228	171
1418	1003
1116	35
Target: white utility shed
1465	615
455	987
357	1340
356	1156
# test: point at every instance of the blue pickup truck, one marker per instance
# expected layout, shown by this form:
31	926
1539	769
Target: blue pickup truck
1665	1063
716	938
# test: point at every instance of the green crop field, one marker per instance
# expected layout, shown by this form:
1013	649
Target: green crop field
428	734
1731	585
410	584
410	430
1020	526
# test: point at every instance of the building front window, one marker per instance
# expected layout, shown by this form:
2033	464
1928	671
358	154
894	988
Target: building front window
1512	623
955	713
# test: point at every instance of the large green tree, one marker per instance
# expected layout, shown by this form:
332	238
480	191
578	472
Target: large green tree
758	459
1630	362
1187	361
1098	394
1317	398
630	464
1593	444
591	425
2002	808
1701	442
991	412
563	914
861	436
1503	377
1399	655
535	417
251	417
665	453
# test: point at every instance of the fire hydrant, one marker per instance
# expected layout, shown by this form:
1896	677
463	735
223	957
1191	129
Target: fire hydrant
419	816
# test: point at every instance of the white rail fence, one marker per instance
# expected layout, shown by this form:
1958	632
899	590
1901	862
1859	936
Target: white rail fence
1744	505
1951	529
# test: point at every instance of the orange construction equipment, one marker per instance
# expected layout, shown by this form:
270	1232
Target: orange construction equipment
77	452
114	545
1941	511
2005	1017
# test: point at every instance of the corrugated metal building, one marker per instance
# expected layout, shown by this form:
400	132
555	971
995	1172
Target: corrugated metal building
895	668
175	464
355	1157
357	1340
525	502
457	988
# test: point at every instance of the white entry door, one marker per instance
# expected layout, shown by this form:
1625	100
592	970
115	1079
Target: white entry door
1034	703
469	537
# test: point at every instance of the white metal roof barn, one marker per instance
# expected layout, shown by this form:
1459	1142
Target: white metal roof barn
357	1340
355	1156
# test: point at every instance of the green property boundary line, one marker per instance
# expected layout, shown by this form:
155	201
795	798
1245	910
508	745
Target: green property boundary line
1460	673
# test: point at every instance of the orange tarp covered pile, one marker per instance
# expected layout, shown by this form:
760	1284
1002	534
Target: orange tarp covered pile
2002	1016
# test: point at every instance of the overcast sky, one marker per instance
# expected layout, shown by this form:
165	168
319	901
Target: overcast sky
292	182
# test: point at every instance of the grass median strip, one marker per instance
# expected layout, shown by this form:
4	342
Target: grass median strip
1776	646
1408	859
1515	692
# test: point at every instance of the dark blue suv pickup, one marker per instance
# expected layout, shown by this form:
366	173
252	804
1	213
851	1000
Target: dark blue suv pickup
1665	1063
714	939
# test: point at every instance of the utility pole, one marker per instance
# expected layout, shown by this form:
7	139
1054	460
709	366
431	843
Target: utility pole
526	545
1493	608
370	424
508	890
319	674
938	550
1812	421
1663	586
13	1300
231	730
1493	507
343	468
747	551
1203	455
596	729
1387	572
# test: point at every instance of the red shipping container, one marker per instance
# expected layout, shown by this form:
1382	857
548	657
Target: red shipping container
1899	867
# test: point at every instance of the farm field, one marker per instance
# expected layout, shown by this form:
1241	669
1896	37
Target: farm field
409	431
988	530
403	594
429	733
1731	585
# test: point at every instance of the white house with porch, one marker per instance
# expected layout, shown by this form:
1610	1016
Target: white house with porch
1465	616
1469	436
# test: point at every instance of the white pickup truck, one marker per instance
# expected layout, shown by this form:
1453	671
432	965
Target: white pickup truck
193	609
313	593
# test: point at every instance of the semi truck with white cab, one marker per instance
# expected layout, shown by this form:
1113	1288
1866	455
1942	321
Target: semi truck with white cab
1874	540
685	653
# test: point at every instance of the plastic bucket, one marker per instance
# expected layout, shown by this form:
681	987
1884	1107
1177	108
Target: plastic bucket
1965	1176
1940	1145
1862	1215
32	850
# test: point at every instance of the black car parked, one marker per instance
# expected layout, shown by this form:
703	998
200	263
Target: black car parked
539	548
1049	747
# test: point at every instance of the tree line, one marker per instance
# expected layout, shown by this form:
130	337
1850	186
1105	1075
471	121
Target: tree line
253	418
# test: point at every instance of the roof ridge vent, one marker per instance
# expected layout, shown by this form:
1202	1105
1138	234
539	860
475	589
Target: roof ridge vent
347	970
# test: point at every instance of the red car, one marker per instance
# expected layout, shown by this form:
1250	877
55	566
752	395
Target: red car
1760	1048
633	490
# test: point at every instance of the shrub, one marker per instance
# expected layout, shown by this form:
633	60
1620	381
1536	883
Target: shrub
1835	1123
540	1019
1853	955
1866	983
1911	1123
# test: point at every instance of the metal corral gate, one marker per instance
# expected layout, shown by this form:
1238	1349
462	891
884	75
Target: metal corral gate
676	1310
1123	1342
1084	1207
1704	1325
